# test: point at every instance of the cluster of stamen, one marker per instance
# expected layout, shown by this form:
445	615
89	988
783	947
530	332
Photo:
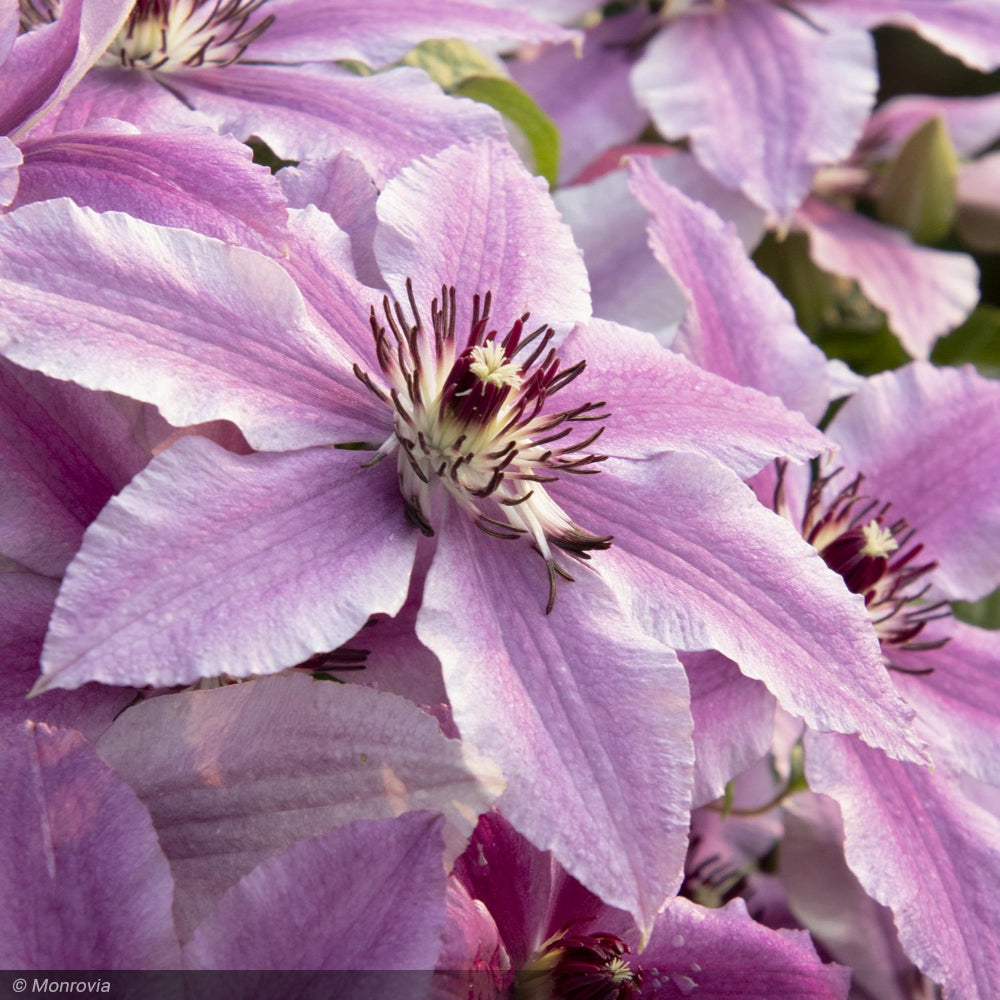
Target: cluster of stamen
878	558
169	35
580	967
471	421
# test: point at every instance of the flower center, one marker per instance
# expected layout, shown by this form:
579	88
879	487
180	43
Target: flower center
169	35
472	423
876	558
586	966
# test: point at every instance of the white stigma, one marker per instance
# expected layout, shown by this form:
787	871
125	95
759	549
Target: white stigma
879	542
491	365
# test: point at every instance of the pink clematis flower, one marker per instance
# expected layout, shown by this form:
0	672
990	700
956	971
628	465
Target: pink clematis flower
475	427
268	68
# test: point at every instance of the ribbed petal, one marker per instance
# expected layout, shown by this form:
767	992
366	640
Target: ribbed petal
920	847
204	330
366	896
81	858
212	563
475	219
702	565
737	324
598	764
764	97
237	775
924	292
928	440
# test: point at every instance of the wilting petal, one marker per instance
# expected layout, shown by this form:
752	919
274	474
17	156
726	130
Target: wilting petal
203	330
733	721
958	702
737	324
588	95
826	897
505	236
928	440
369	895
380	31
718	954
764	96
64	452
968	29
81	858
237	775
659	401
588	719
924	292
306	111
212	563
191	180
920	847
470	942
702	565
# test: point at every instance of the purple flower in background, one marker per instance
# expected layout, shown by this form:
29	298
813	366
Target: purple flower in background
211	562
268	68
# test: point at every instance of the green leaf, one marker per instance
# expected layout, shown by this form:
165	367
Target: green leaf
518	107
918	189
984	613
450	62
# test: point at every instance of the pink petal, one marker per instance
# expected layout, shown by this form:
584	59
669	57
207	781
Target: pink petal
381	31
212	563
924	292
764	96
659	401
533	692
928	440
475	219
81	857
920	847
10	173
203	330
701	564
369	895
237	775
979	203
307	111
737	324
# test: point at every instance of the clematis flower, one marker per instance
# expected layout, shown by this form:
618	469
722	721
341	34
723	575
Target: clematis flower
517	919
269	69
474	428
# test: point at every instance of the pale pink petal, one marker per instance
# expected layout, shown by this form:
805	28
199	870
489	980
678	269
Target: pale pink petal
237	775
368	895
973	123
724	955
764	97
587	94
701	564
212	563
81	858
733	721
827	898
534	692
191	180
381	31
386	120
924	292
928	440
968	29
920	847
9	23
10	163
737	324
475	219
203	330
659	401
978	220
